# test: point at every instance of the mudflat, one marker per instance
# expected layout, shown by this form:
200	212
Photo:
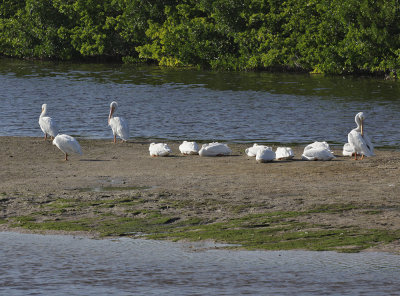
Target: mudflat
34	178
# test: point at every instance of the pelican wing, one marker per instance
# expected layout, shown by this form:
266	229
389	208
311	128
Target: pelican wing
48	125
214	149
318	145
120	127
67	144
265	155
361	144
318	153
252	151
348	150
189	148
369	144
159	149
284	153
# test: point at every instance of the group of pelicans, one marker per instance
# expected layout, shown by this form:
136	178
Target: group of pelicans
358	144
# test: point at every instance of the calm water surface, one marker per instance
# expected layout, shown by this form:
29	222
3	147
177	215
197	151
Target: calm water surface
66	265
197	105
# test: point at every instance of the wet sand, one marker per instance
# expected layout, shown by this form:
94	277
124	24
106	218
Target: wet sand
33	171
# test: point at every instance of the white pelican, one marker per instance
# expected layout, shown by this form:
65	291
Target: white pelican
188	148
348	150
67	144
358	140
252	151
284	153
47	124
214	149
265	155
118	125
159	149
317	151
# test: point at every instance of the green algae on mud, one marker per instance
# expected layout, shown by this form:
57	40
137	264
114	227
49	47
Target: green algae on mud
276	230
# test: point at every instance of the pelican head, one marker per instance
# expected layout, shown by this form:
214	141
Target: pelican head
360	121
44	109
113	107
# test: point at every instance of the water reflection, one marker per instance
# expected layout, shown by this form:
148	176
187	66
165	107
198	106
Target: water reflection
360	88
194	104
37	264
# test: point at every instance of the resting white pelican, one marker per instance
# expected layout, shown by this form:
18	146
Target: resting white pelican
67	144
214	149
358	140
118	125
265	155
47	124
189	148
159	149
284	153
317	151
348	150
252	151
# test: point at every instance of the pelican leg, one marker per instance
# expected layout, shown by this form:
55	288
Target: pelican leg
355	156
115	139
362	156
66	156
45	136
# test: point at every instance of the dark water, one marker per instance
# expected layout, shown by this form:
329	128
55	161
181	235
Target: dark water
196	105
66	265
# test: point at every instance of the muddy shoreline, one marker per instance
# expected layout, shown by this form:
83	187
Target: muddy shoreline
35	178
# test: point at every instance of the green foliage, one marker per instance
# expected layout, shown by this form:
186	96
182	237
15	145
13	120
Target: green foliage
319	36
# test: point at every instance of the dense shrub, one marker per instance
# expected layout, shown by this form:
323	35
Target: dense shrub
323	36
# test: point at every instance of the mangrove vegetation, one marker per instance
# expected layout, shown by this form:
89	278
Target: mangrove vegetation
319	36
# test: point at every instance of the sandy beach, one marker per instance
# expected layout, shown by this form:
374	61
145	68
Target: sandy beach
215	189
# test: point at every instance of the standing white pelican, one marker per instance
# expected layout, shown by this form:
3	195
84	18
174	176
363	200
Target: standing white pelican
67	144
189	148
47	124
317	151
118	125
214	149
358	140
159	149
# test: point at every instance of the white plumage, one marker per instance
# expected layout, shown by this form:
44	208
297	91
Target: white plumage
265	155
189	148
214	149
47	124
119	125
159	149
284	153
317	151
67	144
358	140
348	150
252	151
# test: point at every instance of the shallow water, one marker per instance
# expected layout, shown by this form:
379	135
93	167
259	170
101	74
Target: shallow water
196	105
66	265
